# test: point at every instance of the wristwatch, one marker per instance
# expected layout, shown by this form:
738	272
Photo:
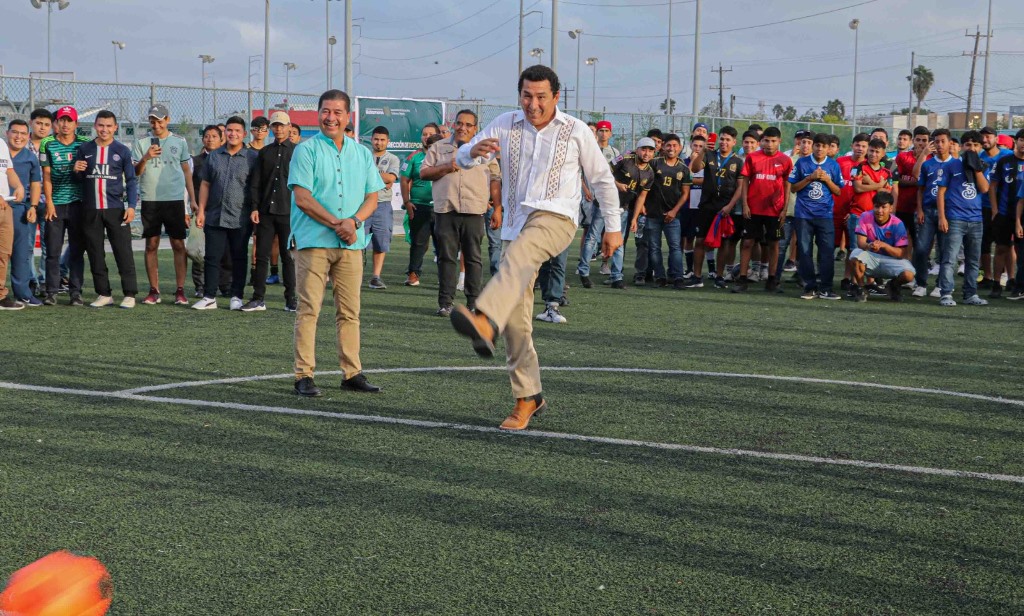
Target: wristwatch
359	223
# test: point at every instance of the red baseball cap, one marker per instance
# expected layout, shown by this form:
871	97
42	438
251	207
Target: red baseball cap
1005	141
604	124
67	112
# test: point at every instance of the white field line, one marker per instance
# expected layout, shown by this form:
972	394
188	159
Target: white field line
417	423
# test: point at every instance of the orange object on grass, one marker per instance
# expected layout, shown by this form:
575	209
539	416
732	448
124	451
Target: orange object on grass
60	584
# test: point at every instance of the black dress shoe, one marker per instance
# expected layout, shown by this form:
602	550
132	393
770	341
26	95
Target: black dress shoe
359	383
306	387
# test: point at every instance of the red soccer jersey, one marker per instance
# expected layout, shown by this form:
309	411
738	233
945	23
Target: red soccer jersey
766	177
906	201
845	197
862	202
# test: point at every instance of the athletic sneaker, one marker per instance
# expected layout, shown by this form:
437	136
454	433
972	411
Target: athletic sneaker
933	270
764	272
376	283
720	282
693	282
606	269
103	301
936	293
207	303
9	303
65	285
789	266
273	279
606	281
947	301
828	295
412	281
740	285
179	297
444	311
974	300
919	291
563	301
1016	295
877	290
254	305
51	300
997	291
728	275
152	298
291	306
551	315
754	275
76	300
129	302
618	284
809	294
236	303
31	302
638	281
198	293
661	283
840	255
586	282
985	283
960	269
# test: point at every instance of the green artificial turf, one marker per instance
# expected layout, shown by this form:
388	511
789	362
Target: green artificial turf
202	510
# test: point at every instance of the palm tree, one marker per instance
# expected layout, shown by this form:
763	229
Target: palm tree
778	111
923	80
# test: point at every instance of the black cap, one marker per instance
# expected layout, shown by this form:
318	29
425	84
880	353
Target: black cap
988	130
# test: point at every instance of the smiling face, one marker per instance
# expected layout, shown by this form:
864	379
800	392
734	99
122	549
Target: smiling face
235	133
671	149
17	136
726	143
66	127
427	133
883	212
333	118
990	141
749	144
159	126
105	129
212	140
645	154
538	102
820	151
41	128
465	127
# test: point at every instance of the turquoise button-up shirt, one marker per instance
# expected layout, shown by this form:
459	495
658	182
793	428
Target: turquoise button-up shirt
339	181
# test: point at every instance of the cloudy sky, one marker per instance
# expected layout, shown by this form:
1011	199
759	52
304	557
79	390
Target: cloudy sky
447	48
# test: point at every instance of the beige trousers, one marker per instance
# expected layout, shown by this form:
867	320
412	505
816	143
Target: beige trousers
6	245
312	267
508	297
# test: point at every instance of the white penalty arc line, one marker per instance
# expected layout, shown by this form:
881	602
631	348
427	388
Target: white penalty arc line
418	423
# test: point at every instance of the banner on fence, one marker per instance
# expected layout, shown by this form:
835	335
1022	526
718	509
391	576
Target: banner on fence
403	117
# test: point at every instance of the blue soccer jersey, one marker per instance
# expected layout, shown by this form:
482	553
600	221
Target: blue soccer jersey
1007	175
962	199
815	200
931	175
990	161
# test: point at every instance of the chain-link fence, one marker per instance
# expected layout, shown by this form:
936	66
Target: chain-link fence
191	108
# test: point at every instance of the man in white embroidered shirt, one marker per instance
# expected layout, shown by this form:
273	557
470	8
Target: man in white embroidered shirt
543	152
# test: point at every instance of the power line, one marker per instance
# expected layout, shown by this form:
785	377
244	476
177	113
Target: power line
414	36
446	50
601	6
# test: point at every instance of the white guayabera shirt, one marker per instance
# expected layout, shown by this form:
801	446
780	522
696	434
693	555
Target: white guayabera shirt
540	170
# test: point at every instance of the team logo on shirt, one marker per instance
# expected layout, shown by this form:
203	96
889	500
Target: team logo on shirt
816	191
970	192
679	176
174	150
117	158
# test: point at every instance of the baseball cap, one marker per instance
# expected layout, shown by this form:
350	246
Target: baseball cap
803	134
988	130
700	125
646	142
1005	141
159	111
280	117
66	112
604	124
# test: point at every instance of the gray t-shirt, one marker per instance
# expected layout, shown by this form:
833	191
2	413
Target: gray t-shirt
163	178
387	163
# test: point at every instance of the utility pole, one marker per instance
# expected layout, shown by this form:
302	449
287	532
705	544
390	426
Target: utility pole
554	37
721	88
732	105
696	61
910	96
984	81
974	62
668	71
266	62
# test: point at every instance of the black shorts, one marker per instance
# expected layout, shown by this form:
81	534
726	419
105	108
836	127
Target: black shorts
986	231
167	214
688	223
1004	230
705	218
763	229
738	222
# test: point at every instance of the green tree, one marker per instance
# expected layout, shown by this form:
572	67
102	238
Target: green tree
778	110
670	103
923	80
834	108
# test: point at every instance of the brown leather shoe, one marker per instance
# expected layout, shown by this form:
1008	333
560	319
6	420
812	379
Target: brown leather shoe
525	409
477	327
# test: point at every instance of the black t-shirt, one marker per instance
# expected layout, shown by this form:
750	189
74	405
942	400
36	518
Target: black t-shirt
721	176
637	180
667	188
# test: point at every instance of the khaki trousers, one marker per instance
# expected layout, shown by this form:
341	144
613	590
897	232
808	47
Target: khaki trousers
508	297
312	268
6	244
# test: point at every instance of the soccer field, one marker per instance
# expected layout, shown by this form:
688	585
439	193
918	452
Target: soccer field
140	438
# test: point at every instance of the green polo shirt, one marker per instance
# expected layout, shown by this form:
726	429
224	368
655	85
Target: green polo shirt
339	181
421	191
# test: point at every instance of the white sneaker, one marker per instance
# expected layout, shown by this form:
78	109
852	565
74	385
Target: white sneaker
207	303
974	300
960	269
936	292
728	275
933	270
606	268
236	303
1003	280
551	315
128	302
920	291
947	301
103	301
764	272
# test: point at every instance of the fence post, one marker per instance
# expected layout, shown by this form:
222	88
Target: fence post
632	129
31	94
249	119
152	94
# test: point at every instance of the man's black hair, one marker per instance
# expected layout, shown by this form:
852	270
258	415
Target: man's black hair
539	72
698	138
938	132
876	143
381	130
210	127
17	122
772	131
755	127
921	130
751	134
905	132
672	137
882	198
260	122
235	120
822	138
728	130
971	135
106	114
476	118
861	137
654	132
334	95
834	139
880	130
41	113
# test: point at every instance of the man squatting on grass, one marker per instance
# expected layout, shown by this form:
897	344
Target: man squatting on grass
543	152
883	249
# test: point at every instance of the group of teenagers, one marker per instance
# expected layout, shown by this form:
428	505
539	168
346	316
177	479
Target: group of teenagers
883	216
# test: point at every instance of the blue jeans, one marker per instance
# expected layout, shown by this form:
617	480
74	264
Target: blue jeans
926	233
787	237
21	252
552	278
591	240
493	242
656	226
823	232
620	252
968	234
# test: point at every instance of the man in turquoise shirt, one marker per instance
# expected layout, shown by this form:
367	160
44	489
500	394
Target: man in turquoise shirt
334	184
